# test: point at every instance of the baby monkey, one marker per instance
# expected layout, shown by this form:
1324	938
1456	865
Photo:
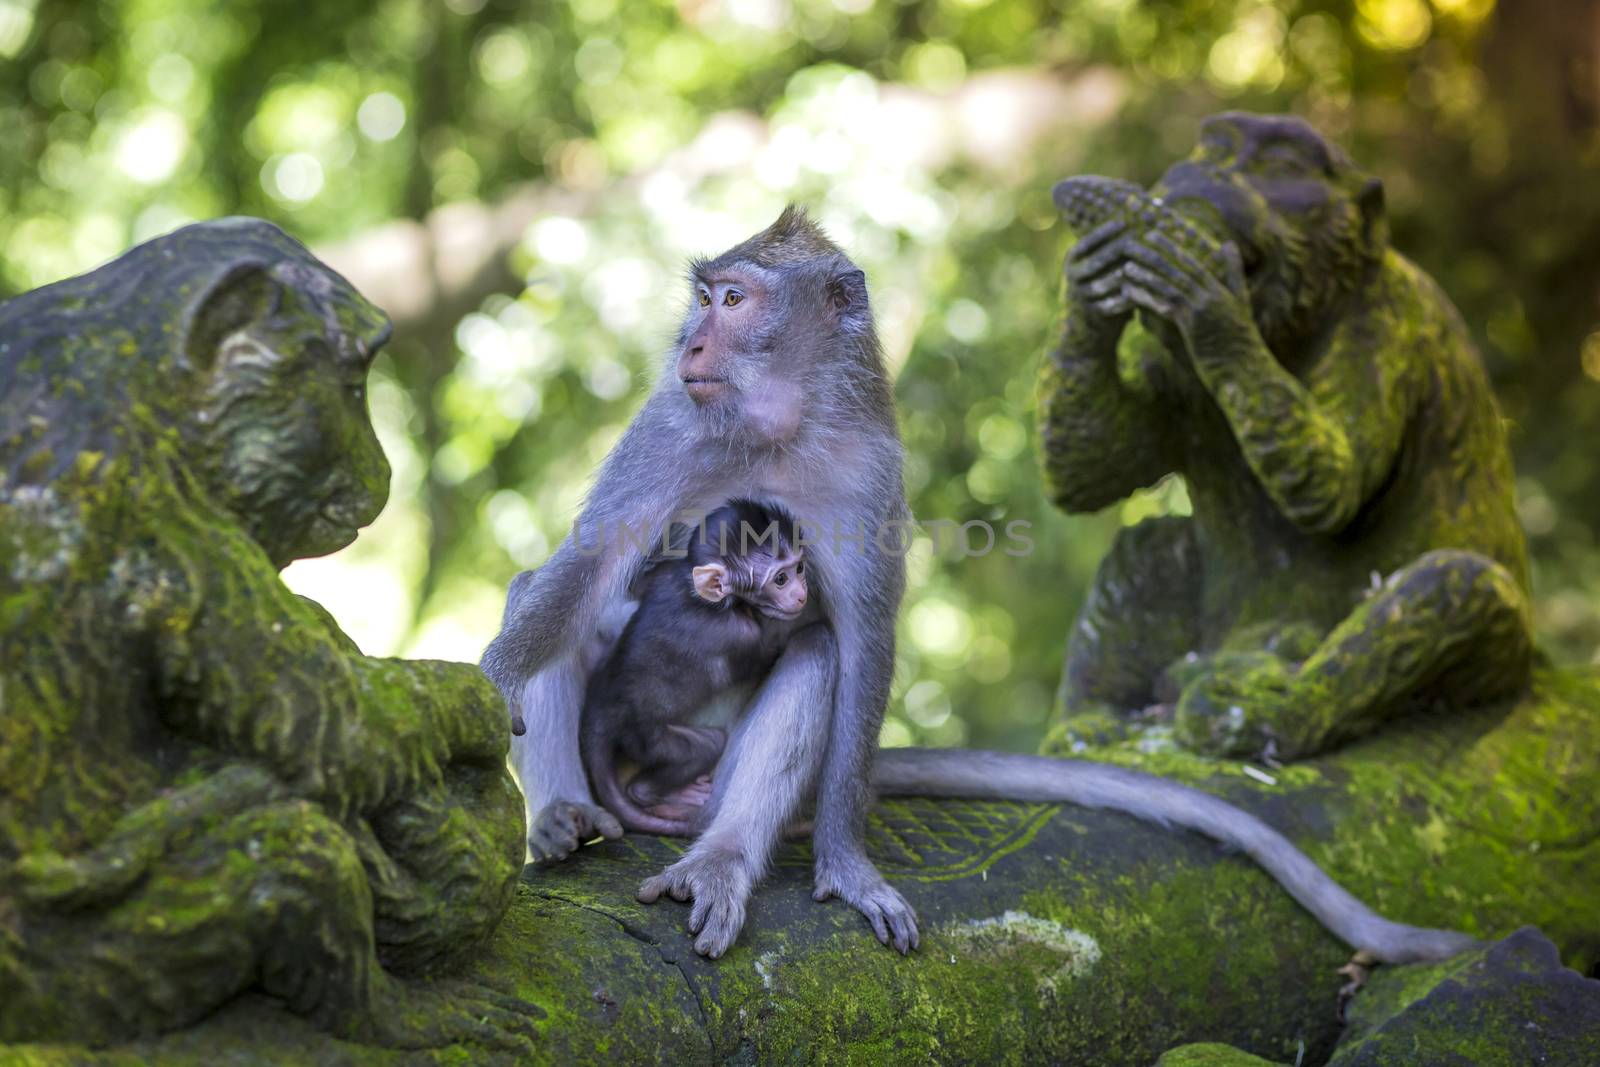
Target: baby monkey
714	613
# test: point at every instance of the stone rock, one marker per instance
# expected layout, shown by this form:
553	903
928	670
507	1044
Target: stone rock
1050	935
1508	1005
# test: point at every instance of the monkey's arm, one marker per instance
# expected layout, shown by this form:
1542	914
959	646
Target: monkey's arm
1319	448
249	667
543	655
551	611
1100	438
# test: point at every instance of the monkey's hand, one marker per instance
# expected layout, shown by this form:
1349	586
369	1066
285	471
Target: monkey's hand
857	882
1210	312
560	827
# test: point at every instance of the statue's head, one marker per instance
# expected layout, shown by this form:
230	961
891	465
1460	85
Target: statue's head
277	349
1307	221
222	357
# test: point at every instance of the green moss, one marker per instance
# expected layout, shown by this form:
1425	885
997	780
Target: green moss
204	788
1508	1004
1094	940
1210	1054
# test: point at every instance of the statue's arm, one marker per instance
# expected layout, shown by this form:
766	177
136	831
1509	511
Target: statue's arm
1319	447
252	669
1098	436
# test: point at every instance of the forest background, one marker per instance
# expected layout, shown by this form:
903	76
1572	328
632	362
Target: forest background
521	183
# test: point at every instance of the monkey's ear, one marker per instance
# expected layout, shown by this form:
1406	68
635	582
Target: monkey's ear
246	293
711	582
847	293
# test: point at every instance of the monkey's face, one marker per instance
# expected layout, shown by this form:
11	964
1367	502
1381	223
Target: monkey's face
772	583
1304	219
284	432
727	335
783	588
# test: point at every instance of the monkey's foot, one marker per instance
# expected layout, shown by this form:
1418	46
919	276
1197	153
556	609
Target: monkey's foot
854	880
444	1014
559	828
718	881
1236	708
1358	970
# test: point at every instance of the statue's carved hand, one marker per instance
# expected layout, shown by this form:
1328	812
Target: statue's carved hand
1169	281
1235	705
1096	294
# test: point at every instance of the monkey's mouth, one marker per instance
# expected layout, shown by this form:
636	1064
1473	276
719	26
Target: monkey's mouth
703	389
780	614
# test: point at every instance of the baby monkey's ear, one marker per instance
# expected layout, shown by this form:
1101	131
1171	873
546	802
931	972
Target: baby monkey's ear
711	582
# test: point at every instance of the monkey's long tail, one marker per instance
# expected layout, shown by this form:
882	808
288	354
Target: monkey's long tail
599	761
1014	776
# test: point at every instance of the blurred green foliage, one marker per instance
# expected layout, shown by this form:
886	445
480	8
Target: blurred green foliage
924	133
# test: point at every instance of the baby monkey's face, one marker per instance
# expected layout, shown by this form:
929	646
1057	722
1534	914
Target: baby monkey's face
782	594
773	583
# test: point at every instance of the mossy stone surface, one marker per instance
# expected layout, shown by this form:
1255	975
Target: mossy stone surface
1507	1005
1049	934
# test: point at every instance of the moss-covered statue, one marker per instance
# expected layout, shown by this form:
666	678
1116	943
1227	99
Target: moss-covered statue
204	787
1353	548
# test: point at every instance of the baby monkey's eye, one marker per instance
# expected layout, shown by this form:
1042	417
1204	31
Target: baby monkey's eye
800	568
705	299
781	579
732	298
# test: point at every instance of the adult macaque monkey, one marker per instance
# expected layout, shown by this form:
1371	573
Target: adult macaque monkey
780	396
777	394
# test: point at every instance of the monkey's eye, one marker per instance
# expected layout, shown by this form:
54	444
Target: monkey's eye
705	299
782	579
732	298
800	568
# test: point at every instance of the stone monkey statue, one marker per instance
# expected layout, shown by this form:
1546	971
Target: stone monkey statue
204	787
1353	548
